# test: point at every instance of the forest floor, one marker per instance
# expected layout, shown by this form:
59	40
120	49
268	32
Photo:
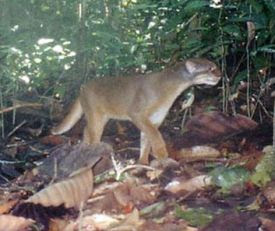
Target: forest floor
222	180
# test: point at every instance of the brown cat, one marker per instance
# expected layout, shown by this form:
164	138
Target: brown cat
143	99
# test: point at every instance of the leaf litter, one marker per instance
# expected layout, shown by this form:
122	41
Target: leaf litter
212	188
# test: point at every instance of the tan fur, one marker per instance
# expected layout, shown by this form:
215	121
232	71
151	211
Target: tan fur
143	99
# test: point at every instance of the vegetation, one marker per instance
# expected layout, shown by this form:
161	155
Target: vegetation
51	47
225	174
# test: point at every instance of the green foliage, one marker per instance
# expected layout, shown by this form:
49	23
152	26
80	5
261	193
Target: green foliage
198	217
110	37
264	171
226	178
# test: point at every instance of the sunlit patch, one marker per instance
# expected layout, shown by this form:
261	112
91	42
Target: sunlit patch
16	51
151	25
43	41
25	79
15	28
71	54
66	43
37	60
143	67
147	37
58	49
216	4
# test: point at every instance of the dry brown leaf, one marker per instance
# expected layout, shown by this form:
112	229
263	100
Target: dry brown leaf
192	185
269	192
70	192
59	224
144	193
251	31
212	127
234	220
122	197
105	187
98	222
105	202
94	222
215	124
197	153
179	225
267	224
130	193
13	223
131	222
53	140
65	160
106	222
154	174
6	207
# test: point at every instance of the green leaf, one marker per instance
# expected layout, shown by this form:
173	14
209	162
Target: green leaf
270	5
233	30
240	77
195	5
196	217
226	178
105	36
258	7
265	169
144	6
267	48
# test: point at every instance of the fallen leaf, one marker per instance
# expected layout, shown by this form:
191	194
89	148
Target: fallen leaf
154	210
93	222
267	224
131	222
192	185
53	140
65	160
122	196
7	206
212	126
70	192
196	153
269	192
228	177
234	220
179	225
264	171
13	223
198	217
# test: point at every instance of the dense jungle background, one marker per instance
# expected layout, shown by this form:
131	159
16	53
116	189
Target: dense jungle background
48	49
52	47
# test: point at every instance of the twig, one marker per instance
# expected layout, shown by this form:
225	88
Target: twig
129	167
38	151
2	117
127	148
4	178
273	141
55	172
186	105
225	83
10	162
16	128
264	108
81	216
19	106
248	79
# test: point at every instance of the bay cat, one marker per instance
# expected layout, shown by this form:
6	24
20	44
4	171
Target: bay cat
143	99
